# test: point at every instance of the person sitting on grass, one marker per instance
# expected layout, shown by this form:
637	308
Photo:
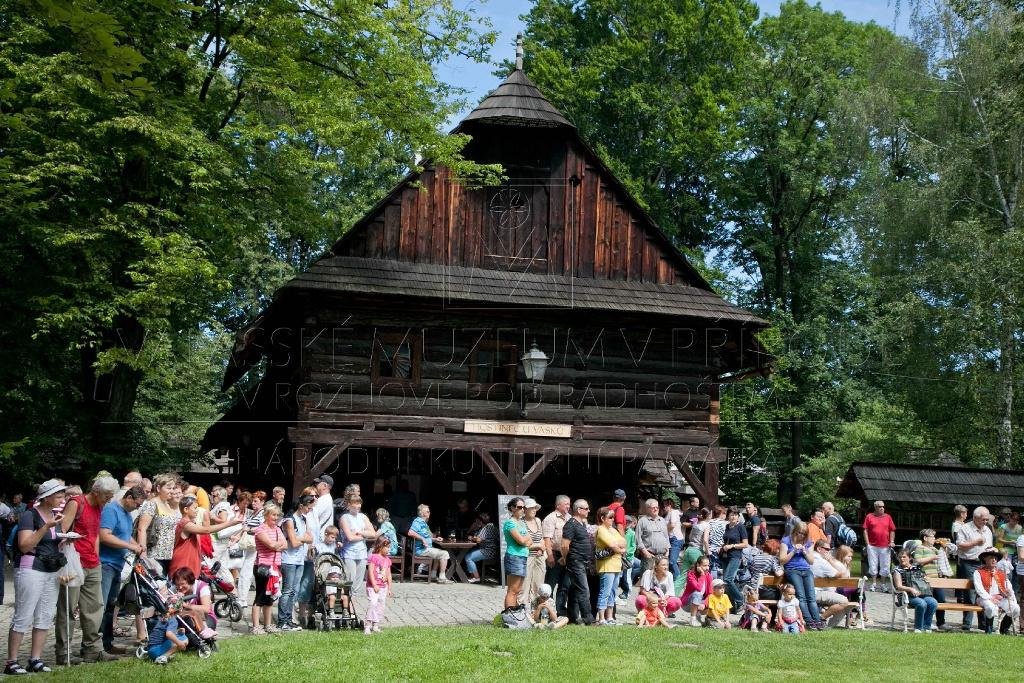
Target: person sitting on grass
651	615
697	590
166	638
788	616
755	614
542	612
719	606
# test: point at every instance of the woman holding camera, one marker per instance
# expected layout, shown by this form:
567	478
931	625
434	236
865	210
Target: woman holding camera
796	555
35	580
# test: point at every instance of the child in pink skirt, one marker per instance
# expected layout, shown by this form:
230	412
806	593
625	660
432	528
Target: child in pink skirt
378	584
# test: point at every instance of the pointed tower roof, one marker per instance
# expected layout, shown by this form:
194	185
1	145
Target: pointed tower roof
518	102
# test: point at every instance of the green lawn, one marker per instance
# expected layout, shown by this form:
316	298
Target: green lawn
482	653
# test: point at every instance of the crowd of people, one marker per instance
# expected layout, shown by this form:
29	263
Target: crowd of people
695	565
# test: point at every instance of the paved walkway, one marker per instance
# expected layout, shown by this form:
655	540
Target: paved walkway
422	604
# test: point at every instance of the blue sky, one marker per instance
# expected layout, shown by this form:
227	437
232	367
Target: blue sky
479	78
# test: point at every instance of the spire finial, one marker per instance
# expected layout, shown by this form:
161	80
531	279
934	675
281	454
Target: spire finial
519	52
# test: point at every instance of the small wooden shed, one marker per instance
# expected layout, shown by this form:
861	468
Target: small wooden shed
923	496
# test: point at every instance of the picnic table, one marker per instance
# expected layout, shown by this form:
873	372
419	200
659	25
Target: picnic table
458	551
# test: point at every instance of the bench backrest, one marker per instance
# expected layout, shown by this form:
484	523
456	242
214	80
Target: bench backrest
852	582
954	584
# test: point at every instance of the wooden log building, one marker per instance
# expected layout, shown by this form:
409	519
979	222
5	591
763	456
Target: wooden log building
401	351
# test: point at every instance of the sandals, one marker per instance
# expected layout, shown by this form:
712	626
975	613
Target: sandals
14	669
36	666
122	632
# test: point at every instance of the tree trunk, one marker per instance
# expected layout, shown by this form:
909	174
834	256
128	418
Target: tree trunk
1007	351
797	443
110	397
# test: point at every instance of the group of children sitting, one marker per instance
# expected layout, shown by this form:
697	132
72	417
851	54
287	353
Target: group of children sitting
756	616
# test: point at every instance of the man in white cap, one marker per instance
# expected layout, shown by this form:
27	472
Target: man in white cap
323	509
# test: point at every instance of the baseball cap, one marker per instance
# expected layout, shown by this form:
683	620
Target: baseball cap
619	493
325	478
717	582
50	487
544	590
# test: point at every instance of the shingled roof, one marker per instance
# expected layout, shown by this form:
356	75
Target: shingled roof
933	485
518	102
461	284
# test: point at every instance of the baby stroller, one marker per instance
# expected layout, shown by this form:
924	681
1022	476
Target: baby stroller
151	591
228	606
326	565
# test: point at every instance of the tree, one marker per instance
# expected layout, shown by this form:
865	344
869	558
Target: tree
162	157
652	86
956	326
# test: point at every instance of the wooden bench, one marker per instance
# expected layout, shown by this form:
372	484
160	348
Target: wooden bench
851	583
934	582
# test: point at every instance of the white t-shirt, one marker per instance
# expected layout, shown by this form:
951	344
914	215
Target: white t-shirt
324	510
649	580
1020	551
674	521
789	608
823	569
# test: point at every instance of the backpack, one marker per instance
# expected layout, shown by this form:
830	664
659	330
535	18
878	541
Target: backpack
844	535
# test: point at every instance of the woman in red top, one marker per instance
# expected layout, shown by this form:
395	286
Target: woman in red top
186	537
698	589
270	541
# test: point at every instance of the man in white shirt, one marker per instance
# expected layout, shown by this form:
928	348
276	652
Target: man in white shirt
323	509
833	604
995	590
971	539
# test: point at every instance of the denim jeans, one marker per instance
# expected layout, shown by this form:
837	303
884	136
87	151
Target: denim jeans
305	593
472	558
924	610
291	575
579	593
558	578
940	596
803	582
733	588
606	589
675	545
627	574
965	570
110	584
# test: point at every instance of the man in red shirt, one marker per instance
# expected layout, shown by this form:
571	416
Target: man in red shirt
82	516
879	536
619	510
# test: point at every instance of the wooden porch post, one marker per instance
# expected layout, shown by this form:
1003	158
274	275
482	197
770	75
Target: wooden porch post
711	468
302	453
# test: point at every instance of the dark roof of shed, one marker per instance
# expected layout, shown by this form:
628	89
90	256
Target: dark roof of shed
933	485
464	286
517	101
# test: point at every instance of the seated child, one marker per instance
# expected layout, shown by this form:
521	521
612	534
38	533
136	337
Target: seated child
332	589
755	614
166	638
719	606
542	612
651	615
788	617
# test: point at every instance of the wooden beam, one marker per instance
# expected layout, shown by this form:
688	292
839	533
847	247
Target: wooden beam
495	469
694	481
330	458
302	454
524	445
535	471
711	482
515	472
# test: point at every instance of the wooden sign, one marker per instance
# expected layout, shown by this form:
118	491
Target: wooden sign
557	431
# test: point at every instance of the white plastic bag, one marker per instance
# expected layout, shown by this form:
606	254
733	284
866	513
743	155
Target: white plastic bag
71	574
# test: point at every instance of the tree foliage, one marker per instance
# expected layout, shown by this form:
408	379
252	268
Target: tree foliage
167	163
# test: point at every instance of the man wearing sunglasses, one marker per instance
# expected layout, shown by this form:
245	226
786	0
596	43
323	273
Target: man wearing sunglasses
577	554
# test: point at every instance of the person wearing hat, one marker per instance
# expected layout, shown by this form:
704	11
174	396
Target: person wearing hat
37	560
323	509
536	568
719	606
618	507
542	612
994	590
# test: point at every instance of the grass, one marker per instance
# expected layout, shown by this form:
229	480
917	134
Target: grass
485	653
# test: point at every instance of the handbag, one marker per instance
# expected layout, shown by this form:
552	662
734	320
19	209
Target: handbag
235	552
515	618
